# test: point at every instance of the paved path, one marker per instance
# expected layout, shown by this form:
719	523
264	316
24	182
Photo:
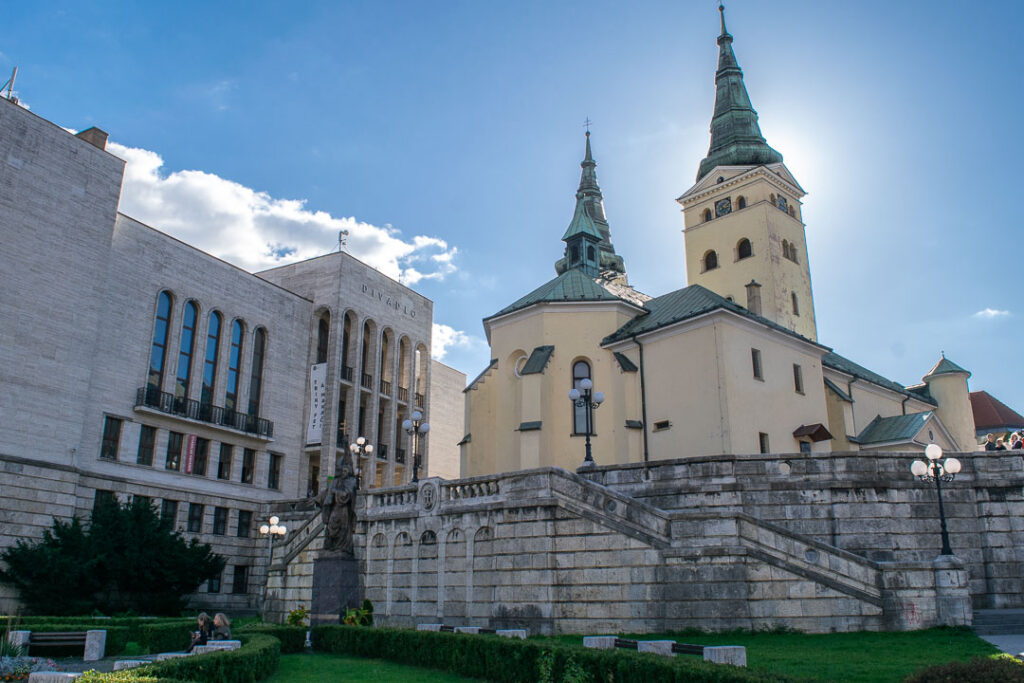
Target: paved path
1012	644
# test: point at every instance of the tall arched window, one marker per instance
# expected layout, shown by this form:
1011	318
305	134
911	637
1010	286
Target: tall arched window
574	253
323	335
741	202
188	333
796	304
710	260
158	352
210	361
743	249
591	256
707	215
580	372
259	345
234	363
785	249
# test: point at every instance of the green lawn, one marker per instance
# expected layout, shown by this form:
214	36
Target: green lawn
342	669
862	657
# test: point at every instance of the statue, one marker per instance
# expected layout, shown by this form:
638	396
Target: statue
338	509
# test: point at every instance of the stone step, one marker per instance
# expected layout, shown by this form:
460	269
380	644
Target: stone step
992	622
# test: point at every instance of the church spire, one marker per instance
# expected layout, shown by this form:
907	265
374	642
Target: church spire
589	218
736	138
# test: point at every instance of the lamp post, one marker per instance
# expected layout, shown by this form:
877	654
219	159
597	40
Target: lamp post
590	400
414	428
359	449
271	530
937	470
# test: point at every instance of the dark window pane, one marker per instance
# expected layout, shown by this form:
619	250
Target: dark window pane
239	584
227	452
111	438
210	362
259	343
244	523
174	441
274	472
220	521
169	511
202	457
234	358
188	329
195	518
103	498
322	338
159	349
248	465
147	440
213	585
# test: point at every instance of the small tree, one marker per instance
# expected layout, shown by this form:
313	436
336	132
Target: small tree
129	559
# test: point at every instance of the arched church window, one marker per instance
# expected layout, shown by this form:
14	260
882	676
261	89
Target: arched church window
580	372
743	249
590	254
574	254
796	304
322	337
707	215
710	260
741	202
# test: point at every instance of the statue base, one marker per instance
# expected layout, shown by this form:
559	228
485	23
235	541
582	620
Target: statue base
335	588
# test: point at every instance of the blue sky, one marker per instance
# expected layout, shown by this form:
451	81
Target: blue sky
447	138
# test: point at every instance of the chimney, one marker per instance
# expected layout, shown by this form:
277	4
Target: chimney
95	137
754	297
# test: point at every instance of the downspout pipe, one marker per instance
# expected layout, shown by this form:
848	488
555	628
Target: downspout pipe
643	398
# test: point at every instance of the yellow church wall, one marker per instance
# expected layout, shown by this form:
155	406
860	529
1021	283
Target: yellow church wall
950	391
840	414
772	405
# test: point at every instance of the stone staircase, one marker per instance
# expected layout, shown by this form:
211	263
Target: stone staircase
999	622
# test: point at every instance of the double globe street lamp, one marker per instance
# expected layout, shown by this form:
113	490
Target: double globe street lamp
937	470
275	528
414	428
590	400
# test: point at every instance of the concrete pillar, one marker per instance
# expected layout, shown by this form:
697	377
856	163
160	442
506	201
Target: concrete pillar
952	599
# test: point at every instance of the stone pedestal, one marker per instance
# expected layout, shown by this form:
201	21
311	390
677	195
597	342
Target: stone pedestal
726	654
335	588
658	647
952	599
95	645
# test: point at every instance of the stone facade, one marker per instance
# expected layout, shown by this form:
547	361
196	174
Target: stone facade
78	304
837	542
447	420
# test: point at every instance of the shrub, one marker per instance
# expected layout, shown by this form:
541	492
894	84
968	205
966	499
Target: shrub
293	638
1000	669
128	559
166	637
509	660
298	617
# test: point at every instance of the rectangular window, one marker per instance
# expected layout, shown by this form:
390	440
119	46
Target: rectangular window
248	465
274	472
244	523
202	457
805	446
762	441
147	440
662	425
796	305
213	585
755	361
195	518
240	582
220	521
142	500
111	438
103	498
169	511
174	440
798	379
227	451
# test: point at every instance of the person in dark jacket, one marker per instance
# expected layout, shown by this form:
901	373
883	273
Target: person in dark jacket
221	627
205	632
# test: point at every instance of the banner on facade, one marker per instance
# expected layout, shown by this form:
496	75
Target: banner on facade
317	402
190	453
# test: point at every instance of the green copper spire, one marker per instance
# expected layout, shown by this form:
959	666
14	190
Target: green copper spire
589	219
736	138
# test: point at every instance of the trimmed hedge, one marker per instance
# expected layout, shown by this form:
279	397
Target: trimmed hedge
173	637
509	660
255	660
1001	669
134	628
293	638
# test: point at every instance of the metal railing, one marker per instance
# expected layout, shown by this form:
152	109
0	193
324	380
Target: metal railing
419	399
367	380
385	387
400	456
203	412
403	394
346	372
382	451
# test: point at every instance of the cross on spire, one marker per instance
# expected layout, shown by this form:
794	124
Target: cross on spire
586	124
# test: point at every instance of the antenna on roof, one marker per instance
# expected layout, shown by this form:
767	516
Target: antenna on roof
9	87
342	239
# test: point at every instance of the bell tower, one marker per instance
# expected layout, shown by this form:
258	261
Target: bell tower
742	217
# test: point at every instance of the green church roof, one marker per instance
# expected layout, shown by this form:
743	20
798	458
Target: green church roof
736	138
582	223
845	365
683	304
893	429
572	285
946	367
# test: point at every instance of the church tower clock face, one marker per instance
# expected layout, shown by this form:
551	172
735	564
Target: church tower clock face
723	207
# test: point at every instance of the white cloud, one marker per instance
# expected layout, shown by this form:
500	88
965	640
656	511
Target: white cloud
256	231
989	313
446	337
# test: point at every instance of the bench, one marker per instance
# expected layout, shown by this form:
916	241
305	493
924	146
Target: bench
722	654
93	643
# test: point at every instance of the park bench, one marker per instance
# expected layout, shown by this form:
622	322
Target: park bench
92	642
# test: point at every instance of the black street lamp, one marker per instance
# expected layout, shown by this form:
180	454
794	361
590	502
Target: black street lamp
590	401
359	449
414	428
937	470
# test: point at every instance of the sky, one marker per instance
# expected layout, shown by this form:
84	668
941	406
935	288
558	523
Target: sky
446	139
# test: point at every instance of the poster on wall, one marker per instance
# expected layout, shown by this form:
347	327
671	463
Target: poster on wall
190	453
317	402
